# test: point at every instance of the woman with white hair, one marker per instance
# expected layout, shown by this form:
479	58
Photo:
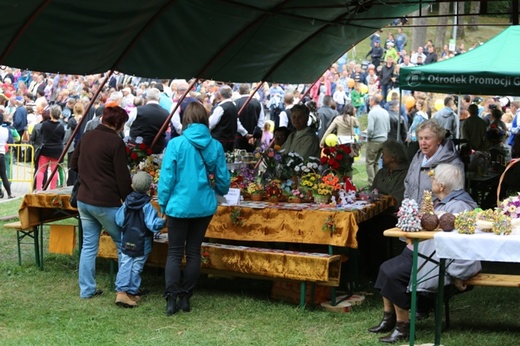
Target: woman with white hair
394	275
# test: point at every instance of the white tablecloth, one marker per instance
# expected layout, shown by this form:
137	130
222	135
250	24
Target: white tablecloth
479	246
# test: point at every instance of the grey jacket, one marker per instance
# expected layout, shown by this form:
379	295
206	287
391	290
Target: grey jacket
326	115
447	119
417	179
455	202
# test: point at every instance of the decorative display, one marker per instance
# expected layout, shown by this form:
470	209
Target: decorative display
511	206
429	222
427	203
204	258
465	222
329	225
409	220
236	217
447	222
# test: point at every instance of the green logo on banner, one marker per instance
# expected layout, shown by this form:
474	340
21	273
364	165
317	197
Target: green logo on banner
414	79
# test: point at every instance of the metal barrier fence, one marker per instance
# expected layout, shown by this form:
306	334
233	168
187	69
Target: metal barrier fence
21	168
19	164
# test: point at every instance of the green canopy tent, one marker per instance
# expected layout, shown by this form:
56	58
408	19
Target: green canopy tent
288	41
490	69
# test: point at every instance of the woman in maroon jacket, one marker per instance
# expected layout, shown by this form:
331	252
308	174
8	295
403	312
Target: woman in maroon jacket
101	162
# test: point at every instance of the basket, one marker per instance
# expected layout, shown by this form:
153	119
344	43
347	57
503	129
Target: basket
321	199
510	165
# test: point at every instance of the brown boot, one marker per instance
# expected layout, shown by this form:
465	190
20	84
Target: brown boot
124	301
135	298
401	332
386	324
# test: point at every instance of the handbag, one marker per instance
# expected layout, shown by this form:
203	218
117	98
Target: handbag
74	195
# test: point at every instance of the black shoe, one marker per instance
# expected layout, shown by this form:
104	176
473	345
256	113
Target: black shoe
10	196
401	332
421	315
171	305
1	193
386	324
184	302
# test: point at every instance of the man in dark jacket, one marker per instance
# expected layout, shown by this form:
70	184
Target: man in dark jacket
251	118
149	120
223	121
385	78
376	52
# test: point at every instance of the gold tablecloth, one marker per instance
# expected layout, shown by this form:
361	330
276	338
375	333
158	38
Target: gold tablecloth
46	206
293	226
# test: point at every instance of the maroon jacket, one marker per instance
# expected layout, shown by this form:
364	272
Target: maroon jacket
101	161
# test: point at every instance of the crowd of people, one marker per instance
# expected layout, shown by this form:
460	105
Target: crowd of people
403	143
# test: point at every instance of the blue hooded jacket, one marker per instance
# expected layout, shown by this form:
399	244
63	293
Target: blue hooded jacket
184	190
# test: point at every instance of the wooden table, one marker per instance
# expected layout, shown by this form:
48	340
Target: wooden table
454	246
415	238
43	207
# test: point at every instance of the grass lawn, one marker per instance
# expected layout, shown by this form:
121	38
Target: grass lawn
44	308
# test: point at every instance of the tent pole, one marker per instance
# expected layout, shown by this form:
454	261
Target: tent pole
78	126
457	135
398	137
165	124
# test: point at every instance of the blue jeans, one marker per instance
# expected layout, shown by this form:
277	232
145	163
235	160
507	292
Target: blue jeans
93	218
129	274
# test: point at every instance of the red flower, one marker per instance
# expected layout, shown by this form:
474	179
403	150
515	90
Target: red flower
323	160
347	149
134	156
142	146
335	165
149	151
339	157
332	150
332	162
127	150
326	151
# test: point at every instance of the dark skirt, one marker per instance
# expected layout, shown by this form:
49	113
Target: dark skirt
394	277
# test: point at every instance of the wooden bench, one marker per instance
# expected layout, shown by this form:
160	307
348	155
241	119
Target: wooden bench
29	233
250	262
481	279
494	280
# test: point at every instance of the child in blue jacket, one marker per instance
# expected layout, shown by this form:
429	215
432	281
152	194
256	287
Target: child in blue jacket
138	219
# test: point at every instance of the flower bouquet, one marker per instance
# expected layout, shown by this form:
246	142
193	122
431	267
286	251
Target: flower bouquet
511	208
310	165
256	191
289	163
323	191
309	182
274	191
151	165
338	159
272	162
296	196
137	152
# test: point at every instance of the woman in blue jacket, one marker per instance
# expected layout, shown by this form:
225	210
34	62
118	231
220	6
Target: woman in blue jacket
188	198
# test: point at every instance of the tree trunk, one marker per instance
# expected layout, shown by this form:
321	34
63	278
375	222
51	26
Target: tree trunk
440	34
460	29
473	20
419	33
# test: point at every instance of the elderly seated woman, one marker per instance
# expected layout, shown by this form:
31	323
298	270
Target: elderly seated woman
389	180
394	275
